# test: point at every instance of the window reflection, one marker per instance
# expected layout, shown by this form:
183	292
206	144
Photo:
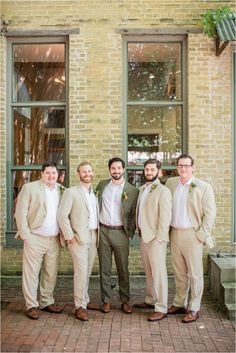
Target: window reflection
154	132
39	135
154	71
39	72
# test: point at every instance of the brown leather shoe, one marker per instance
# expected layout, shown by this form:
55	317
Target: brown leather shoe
91	306
190	317
126	308
176	310
81	314
32	313
53	308
144	306
157	316
105	308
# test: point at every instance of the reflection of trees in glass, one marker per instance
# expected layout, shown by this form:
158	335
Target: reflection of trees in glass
151	81
139	142
154	129
154	71
40	138
39	70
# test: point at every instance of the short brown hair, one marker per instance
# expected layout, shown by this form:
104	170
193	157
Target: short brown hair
48	164
153	161
116	159
184	156
83	164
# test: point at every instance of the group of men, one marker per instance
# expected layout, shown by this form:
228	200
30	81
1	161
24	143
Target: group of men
104	221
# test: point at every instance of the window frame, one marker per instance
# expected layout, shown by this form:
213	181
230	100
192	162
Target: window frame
233	222
10	167
160	38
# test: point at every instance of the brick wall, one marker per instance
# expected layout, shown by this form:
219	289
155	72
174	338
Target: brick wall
95	94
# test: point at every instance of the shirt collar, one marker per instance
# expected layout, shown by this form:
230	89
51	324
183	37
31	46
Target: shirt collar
85	189
55	187
155	182
187	184
118	185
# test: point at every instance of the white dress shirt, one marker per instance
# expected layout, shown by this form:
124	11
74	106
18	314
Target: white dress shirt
180	218
50	225
91	199
111	204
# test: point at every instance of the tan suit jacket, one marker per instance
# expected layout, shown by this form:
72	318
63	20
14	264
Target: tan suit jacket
31	208
201	207
73	215
156	213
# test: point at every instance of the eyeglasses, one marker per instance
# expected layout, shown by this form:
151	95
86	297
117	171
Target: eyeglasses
181	166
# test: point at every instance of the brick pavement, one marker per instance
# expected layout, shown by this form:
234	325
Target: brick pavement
112	332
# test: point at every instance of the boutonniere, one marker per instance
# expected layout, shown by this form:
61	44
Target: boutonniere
61	190
124	196
192	186
153	187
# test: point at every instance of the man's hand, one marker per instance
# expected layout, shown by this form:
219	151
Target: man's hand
71	241
26	242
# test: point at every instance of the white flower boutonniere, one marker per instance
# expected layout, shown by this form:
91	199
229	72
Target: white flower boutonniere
192	186
61	190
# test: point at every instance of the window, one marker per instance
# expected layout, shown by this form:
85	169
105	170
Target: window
37	111
155	102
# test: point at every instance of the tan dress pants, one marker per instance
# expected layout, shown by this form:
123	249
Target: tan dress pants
186	252
83	257
42	253
154	262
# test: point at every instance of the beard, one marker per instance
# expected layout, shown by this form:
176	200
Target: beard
150	180
116	176
86	180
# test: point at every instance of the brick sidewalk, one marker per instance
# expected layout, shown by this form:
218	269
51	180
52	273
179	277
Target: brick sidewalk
112	332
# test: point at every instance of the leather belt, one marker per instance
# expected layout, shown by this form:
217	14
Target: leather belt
111	227
181	228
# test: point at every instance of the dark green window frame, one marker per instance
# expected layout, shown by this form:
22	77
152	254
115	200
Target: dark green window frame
129	38
10	167
234	145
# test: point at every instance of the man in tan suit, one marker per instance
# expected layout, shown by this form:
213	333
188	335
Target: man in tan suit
193	216
36	219
78	219
153	218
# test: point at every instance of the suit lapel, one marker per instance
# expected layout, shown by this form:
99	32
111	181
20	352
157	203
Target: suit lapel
191	190
43	194
82	194
174	186
103	185
152	190
125	191
141	189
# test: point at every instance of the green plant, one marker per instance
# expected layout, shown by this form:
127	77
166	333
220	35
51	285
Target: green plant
211	17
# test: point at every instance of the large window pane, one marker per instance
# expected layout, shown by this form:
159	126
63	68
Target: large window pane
154	71
39	135
154	132
39	72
